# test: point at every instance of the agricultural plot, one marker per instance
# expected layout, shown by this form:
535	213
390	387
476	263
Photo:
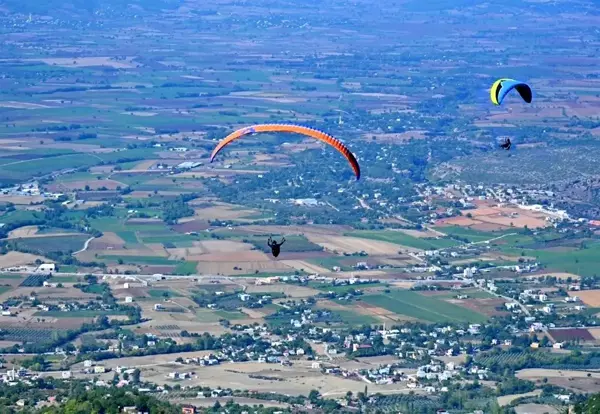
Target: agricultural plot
34	281
13	258
424	308
469	234
403	239
45	245
27	334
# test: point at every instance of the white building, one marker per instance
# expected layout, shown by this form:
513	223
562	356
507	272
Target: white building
46	268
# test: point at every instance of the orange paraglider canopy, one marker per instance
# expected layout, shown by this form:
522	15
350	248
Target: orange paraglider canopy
297	129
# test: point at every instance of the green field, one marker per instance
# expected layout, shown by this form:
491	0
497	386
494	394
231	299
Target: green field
583	262
352	318
470	234
64	279
429	309
148	260
53	244
128	237
186	268
330	262
229	315
403	239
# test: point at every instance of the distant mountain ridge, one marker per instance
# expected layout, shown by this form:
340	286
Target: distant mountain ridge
56	8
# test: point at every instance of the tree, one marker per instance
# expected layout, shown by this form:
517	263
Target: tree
136	376
313	396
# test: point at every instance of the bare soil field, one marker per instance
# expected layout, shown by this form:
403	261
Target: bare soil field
244	267
78	62
484	306
296	380
595	332
20	200
303	256
507	399
302	265
32	231
22	232
209	402
562	276
241	256
536	409
80	185
50	294
551	373
382	314
224	212
137	252
13	258
490	218
186	226
589	297
397	138
345	244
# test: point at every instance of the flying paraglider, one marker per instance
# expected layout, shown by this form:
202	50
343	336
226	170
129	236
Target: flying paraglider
506	144
503	86
321	136
275	247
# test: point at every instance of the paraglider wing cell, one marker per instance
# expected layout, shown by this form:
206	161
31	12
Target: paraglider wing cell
502	87
321	136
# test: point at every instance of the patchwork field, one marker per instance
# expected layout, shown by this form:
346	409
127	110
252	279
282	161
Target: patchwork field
491	218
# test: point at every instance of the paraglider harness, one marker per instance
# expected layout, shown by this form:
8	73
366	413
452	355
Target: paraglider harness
275	246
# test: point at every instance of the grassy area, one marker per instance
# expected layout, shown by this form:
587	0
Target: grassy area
582	262
186	268
231	316
10	276
128	237
353	318
410	303
470	234
403	239
149	260
64	279
67	269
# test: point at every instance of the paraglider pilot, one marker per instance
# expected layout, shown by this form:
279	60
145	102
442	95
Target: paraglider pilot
506	145
275	246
